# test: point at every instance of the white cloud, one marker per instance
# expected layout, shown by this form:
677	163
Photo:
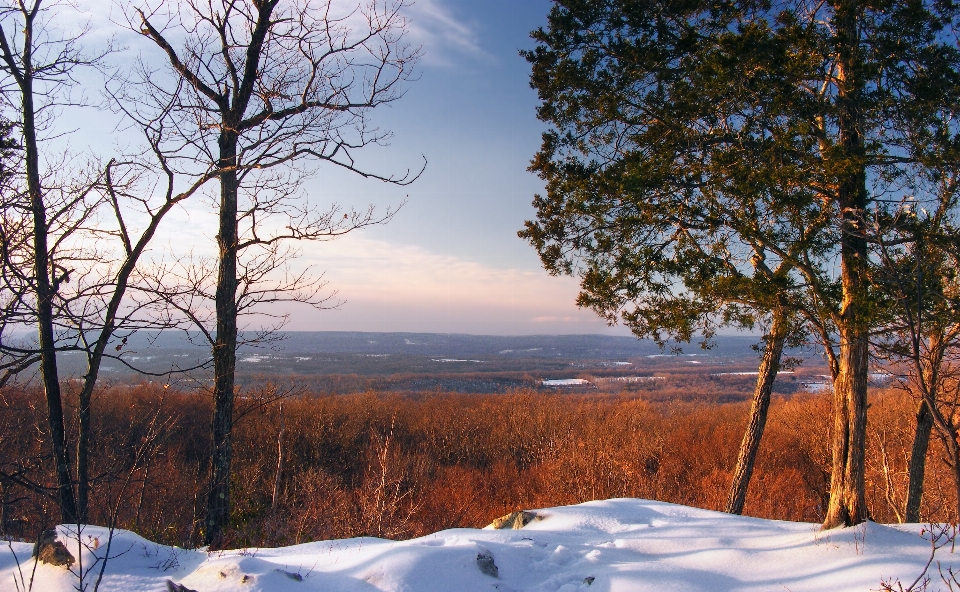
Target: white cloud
442	35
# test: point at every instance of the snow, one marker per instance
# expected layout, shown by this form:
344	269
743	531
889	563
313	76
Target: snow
629	378
565	382
747	373
455	360
616	545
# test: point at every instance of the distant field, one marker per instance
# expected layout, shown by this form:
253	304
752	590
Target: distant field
342	362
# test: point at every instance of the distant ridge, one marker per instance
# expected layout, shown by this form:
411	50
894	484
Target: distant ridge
458	344
510	357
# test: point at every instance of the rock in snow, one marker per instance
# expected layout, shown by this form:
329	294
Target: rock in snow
620	545
51	551
515	520
486	564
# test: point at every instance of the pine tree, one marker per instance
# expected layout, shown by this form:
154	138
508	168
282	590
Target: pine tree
723	159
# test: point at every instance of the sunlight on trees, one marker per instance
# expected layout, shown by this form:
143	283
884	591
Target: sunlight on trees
256	90
702	160
254	109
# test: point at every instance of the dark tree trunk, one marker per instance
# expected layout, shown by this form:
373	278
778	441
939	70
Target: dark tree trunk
955	450
225	345
769	367
230	97
84	411
45	291
928	414
95	357
847	504
225	299
918	462
83	446
4	507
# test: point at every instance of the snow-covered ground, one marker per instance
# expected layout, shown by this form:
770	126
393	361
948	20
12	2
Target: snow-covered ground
614	545
565	382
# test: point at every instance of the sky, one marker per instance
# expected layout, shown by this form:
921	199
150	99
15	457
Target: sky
450	260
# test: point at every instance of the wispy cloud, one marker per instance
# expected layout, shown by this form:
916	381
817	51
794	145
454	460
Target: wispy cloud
555	320
444	37
390	287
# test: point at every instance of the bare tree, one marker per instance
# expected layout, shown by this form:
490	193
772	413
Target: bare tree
255	86
71	246
920	338
38	71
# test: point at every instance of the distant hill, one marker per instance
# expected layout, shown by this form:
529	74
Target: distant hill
458	345
419	361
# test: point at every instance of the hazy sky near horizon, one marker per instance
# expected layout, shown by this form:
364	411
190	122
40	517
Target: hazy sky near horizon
450	260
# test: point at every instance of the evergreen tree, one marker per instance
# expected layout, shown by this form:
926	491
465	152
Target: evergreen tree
709	158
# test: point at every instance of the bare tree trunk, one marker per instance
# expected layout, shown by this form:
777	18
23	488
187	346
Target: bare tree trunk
847	504
769	367
276	481
4	506
225	346
48	274
95	357
48	352
44	289
918	462
258	50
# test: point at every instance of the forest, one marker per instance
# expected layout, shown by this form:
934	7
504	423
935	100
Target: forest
394	465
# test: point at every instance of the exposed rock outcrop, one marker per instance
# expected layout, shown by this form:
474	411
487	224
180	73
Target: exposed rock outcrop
486	564
175	587
515	520
51	551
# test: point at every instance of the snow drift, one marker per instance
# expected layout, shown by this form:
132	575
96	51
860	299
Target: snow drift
601	546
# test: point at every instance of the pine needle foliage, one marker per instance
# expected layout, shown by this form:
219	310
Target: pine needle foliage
712	162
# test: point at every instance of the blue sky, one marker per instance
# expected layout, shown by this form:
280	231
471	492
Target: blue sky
450	261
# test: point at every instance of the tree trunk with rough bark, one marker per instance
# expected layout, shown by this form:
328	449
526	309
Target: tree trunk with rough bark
225	346
767	374
847	504
918	462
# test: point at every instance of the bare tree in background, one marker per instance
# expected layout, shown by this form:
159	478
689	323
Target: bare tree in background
73	237
256	90
38	78
920	339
